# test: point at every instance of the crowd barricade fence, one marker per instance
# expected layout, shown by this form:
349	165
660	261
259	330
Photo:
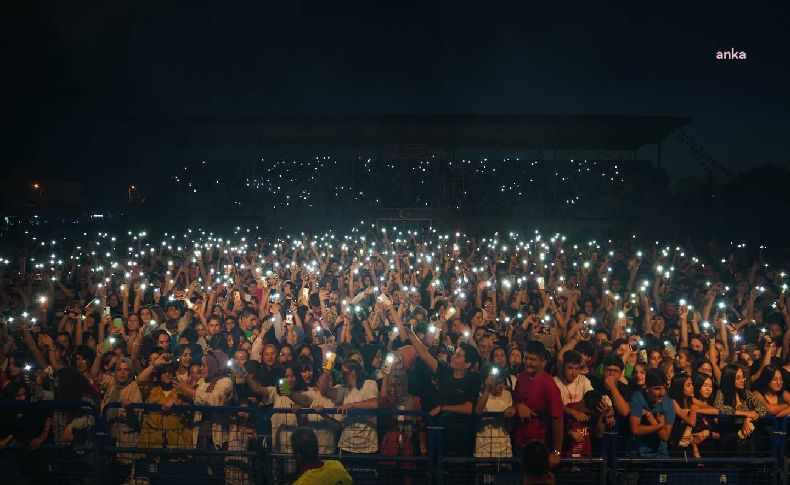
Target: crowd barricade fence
188	444
396	434
500	464
56	459
761	464
242	445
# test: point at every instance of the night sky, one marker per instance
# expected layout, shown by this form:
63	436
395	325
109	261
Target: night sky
71	68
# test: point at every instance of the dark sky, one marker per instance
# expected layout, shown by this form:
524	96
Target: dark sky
69	67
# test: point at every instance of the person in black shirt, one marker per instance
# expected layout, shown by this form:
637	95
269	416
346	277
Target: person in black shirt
457	392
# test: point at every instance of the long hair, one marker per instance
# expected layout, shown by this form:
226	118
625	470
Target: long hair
70	385
305	363
300	383
728	389
763	383
698	381
86	353
677	391
360	372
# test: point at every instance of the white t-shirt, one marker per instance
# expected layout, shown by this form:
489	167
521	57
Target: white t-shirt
359	432
283	424
573	392
493	440
324	430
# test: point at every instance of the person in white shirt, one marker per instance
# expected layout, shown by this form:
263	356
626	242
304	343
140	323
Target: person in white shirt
214	389
359	432
493	438
572	384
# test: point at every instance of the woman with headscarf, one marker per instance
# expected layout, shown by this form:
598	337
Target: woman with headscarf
403	435
215	388
120	387
163	429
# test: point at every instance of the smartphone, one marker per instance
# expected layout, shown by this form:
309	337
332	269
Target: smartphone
329	361
157	293
236	295
284	387
117	322
541	283
105	312
289	319
105	346
633	346
305	293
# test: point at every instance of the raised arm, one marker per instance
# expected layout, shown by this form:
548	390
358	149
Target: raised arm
422	352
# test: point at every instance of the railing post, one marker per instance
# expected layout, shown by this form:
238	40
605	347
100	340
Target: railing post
609	454
435	451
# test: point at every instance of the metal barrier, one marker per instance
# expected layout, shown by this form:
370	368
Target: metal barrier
185	444
72	460
696	471
143	444
392	434
493	459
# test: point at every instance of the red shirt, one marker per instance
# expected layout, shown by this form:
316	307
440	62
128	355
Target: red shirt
542	396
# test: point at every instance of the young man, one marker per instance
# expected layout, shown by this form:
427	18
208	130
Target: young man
652	416
537	393
572	384
458	389
313	471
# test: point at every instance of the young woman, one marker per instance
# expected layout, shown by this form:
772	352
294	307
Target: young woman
734	398
637	380
706	435
403	435
325	427
359	432
493	439
213	389
681	440
654	358
515	365
184	357
770	392
163	429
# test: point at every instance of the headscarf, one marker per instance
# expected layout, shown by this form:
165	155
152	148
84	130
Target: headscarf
114	393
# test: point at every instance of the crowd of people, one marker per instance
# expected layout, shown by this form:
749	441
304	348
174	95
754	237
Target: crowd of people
506	340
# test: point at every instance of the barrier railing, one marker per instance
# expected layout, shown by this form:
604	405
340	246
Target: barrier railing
69	451
141	443
184	444
379	446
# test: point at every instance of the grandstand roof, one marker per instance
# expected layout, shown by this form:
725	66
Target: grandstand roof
479	131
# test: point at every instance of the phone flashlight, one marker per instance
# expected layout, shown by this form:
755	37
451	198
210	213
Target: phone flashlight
494	371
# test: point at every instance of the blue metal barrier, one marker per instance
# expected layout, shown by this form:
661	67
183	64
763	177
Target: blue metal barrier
228	455
98	462
72	459
379	468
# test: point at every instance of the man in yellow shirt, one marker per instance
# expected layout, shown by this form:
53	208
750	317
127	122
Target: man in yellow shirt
313	471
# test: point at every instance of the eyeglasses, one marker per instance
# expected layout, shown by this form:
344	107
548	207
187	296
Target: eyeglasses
613	370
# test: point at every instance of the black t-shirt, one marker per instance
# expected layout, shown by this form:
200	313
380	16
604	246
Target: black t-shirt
457	391
269	377
459	433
